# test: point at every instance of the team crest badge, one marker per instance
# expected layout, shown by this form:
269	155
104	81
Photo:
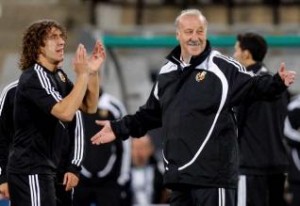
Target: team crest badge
200	76
62	76
103	113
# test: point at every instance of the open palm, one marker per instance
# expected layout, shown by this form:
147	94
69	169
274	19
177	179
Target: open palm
105	135
97	57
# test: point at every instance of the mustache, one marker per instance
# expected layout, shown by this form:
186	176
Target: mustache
194	43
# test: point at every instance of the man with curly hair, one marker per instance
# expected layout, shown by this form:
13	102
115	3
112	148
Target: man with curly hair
70	162
45	102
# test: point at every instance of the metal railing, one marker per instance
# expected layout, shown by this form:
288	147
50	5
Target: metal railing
118	41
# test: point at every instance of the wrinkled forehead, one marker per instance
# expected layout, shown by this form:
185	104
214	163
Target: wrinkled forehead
191	20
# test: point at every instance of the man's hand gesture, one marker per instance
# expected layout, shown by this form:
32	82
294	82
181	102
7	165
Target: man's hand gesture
288	77
105	135
4	190
70	180
97	58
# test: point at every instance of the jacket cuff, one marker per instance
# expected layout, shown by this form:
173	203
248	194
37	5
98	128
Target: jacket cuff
74	169
116	127
3	178
281	84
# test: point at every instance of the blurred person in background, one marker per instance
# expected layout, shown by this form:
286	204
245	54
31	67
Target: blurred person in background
146	177
263	156
192	102
45	103
105	174
292	133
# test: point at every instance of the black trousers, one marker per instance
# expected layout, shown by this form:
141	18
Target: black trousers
261	190
203	197
31	190
99	195
63	197
295	191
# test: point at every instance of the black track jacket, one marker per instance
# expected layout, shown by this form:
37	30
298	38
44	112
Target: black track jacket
260	133
6	125
42	144
291	130
193	105
108	162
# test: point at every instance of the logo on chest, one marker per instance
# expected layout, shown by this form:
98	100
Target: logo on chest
103	113
200	76
62	76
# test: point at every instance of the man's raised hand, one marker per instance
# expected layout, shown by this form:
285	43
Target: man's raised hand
97	58
287	76
105	135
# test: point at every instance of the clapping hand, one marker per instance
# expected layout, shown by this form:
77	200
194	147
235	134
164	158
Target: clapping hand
80	60
97	58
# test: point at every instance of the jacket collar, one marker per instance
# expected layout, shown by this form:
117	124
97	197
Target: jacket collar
255	67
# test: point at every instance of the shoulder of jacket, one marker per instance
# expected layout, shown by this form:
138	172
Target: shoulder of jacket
295	103
263	70
168	67
112	104
8	91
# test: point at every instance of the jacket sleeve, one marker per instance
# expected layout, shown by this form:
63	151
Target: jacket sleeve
77	144
147	117
6	127
4	144
267	87
246	86
292	123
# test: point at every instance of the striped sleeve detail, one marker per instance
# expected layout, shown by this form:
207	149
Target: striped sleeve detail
45	82
235	63
290	132
168	67
35	193
79	140
295	103
4	93
295	158
222	197
126	162
155	91
112	104
242	191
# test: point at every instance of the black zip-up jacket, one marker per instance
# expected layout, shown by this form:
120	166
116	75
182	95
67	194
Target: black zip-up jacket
6	125
42	144
260	133
291	131
107	163
194	107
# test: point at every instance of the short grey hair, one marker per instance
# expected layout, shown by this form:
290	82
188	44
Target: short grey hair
190	12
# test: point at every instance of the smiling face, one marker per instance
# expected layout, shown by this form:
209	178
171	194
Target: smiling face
52	53
191	34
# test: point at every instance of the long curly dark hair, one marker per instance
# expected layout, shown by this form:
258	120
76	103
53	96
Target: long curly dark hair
34	38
